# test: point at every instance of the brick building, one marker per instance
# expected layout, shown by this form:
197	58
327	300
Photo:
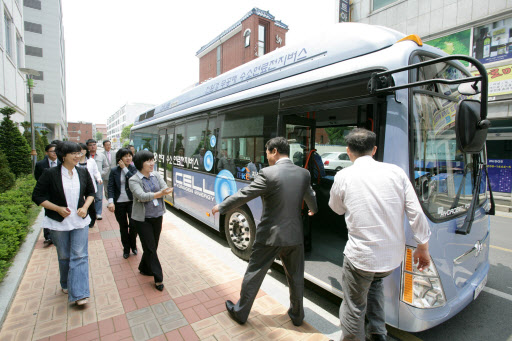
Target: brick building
256	34
102	128
79	131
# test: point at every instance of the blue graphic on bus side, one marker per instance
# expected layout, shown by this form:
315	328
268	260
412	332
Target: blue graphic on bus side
208	161
225	185
213	141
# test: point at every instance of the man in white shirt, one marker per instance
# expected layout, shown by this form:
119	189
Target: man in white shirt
375	197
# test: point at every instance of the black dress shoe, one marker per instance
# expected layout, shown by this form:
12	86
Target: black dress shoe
144	274
135	252
159	287
376	337
295	323
126	255
230	307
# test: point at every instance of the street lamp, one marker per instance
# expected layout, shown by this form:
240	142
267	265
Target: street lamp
30	82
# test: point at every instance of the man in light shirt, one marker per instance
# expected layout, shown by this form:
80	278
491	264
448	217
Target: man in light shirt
100	161
110	162
375	197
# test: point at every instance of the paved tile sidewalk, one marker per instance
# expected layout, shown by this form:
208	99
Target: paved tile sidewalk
125	305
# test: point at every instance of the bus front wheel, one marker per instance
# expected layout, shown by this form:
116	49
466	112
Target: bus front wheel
240	232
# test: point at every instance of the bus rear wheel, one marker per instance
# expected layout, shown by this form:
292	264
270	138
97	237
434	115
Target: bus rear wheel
240	232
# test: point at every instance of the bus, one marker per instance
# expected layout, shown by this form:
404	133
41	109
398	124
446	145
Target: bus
423	105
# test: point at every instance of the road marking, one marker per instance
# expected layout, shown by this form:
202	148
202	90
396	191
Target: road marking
498	293
500	248
401	335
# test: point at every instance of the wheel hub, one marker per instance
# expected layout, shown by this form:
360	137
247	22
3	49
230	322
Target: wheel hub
239	230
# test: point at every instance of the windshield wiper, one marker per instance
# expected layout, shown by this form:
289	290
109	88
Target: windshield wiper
468	222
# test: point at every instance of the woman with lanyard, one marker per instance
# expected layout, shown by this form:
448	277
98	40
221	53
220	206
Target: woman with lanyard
66	192
148	188
92	167
120	199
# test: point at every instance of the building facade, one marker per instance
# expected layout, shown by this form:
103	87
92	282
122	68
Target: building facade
123	117
13	88
478	28
256	34
80	131
99	128
44	52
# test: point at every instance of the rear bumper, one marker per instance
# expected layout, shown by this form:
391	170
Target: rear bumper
413	319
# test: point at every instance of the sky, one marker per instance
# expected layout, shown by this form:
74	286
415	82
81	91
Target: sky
144	51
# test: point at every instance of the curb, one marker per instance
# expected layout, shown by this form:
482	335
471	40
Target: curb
10	284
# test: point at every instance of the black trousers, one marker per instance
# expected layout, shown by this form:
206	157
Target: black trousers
261	259
92	213
123	213
149	234
46	234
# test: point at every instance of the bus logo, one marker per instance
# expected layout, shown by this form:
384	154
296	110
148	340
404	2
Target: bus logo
208	161
225	185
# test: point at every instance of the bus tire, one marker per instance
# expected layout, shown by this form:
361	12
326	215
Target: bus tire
240	231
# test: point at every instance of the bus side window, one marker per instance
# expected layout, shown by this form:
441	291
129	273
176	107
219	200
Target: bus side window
194	144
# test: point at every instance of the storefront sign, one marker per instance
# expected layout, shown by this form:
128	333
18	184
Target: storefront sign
344	10
457	43
500	82
500	174
493	42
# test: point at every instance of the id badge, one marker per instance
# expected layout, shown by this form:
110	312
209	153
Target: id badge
155	202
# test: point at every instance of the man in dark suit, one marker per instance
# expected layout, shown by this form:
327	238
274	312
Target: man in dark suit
282	188
50	160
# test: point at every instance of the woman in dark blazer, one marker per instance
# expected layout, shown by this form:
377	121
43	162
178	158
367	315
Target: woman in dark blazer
66	192
120	199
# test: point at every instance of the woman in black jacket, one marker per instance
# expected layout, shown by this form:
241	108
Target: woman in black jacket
66	192
120	199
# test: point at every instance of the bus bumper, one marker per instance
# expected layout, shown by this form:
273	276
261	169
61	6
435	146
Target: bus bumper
413	319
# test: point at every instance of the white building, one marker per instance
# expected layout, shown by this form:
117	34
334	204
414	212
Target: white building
44	52
13	92
124	117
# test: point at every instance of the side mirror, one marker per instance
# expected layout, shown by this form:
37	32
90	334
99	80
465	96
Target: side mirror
469	89
470	129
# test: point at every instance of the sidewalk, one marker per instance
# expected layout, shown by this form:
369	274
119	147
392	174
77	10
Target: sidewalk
124	305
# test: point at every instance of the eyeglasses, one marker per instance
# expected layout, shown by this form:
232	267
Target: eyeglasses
51	151
76	154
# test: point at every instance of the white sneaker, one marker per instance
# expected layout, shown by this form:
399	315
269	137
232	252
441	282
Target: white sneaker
81	301
98	217
65	291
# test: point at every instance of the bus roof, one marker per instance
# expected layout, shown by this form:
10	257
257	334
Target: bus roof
340	42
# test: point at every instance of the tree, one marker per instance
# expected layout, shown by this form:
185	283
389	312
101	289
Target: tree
125	133
14	145
44	137
39	144
7	179
99	136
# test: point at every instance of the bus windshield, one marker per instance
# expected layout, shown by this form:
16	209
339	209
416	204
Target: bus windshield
444	177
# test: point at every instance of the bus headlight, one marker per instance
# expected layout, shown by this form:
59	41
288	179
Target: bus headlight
421	289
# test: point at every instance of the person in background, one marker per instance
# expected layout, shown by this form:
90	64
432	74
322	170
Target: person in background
375	198
100	160
66	192
120	199
92	167
148	188
132	148
49	161
108	164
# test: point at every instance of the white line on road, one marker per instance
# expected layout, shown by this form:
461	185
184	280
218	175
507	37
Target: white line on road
498	293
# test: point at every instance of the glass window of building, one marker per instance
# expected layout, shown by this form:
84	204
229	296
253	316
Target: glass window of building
261	40
377	4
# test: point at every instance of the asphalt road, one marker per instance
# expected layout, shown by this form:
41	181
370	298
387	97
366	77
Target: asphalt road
489	317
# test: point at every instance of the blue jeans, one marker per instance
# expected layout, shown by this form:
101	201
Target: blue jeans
98	199
72	251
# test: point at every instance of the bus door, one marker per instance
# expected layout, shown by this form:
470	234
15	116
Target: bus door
300	132
169	163
161	157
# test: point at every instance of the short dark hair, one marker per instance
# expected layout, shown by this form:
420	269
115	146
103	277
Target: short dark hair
84	147
65	148
105	141
55	142
279	143
129	146
141	157
90	141
361	141
47	148
122	152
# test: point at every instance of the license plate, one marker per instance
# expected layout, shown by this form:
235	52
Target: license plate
479	288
